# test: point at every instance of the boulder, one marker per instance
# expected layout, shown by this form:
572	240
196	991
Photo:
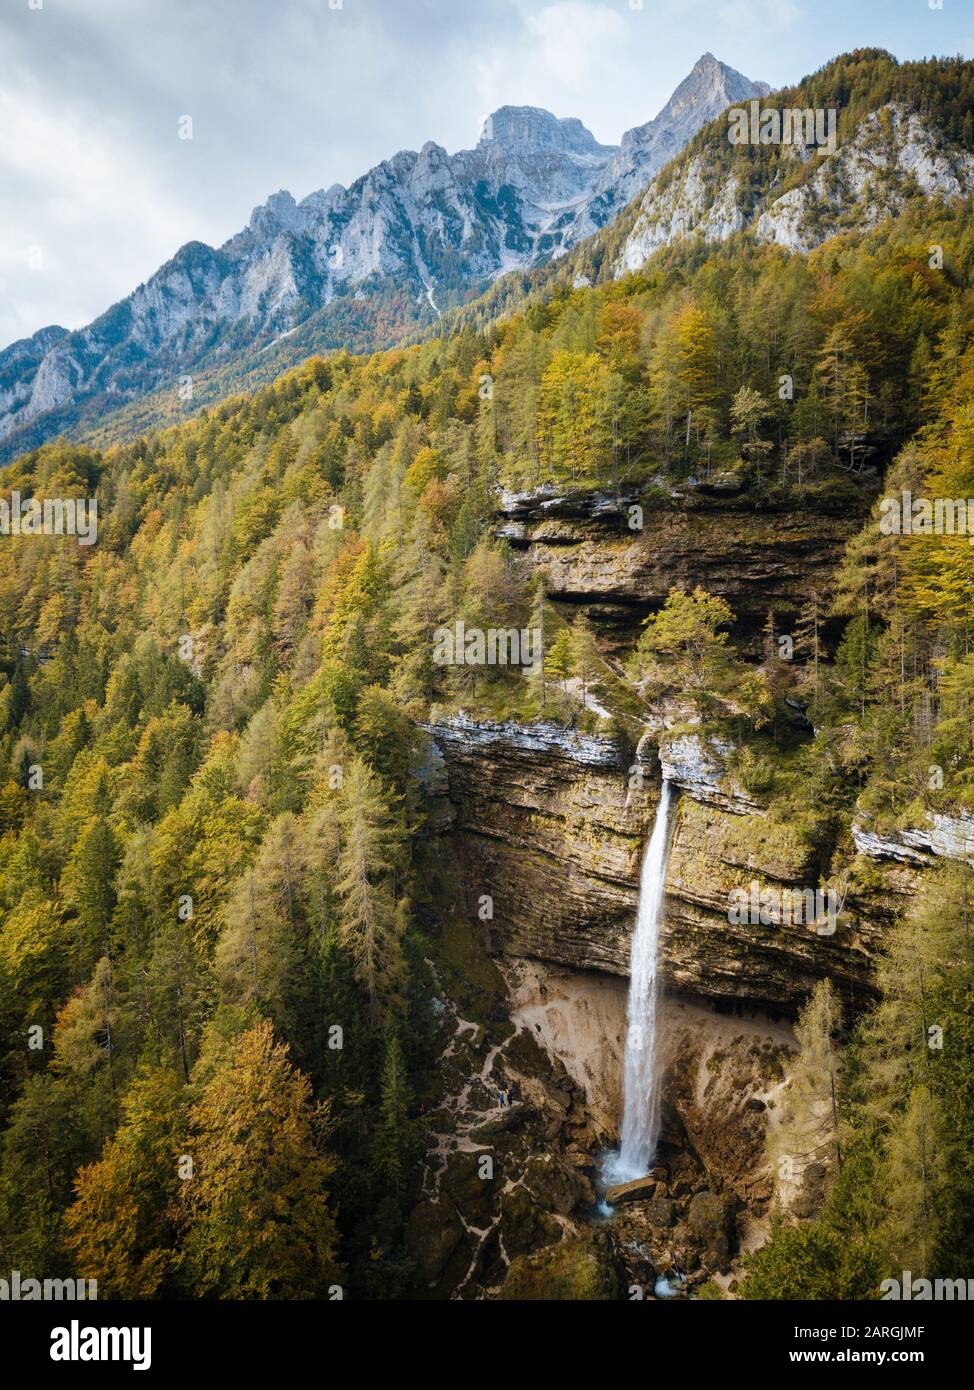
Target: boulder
524	1225
661	1212
710	1222
433	1233
638	1191
556	1186
471	1192
578	1269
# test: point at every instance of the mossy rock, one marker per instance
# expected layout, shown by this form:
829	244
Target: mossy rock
527	1056
709	1292
508	1122
471	977
575	1270
472	1191
661	1213
525	1226
556	1187
710	1221
433	1234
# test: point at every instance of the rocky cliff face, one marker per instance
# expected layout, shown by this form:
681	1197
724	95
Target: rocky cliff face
418	231
896	153
754	559
545	828
509	1189
551	828
943	836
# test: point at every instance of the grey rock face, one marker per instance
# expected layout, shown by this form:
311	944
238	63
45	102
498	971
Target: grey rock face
697	766
945	836
551	826
704	93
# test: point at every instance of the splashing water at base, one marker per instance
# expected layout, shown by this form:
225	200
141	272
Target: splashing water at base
641	1101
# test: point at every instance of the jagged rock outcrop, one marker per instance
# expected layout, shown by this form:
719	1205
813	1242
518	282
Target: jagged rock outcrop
708	90
698	766
894	154
507	1166
945	836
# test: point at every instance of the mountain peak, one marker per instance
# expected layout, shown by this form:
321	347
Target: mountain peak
707	90
530	129
723	77
714	82
280	210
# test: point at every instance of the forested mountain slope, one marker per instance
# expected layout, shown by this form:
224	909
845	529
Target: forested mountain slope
223	823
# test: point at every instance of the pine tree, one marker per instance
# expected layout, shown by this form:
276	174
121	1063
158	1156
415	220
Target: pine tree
558	660
536	620
396	1138
808	643
585	654
370	919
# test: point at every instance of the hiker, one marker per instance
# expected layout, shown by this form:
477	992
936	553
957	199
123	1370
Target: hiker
500	1097
510	1094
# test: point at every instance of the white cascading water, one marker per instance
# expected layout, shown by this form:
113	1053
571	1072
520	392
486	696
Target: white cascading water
641	1100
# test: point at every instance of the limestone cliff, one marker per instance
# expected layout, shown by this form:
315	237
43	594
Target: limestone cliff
755	555
894	154
549	826
545	827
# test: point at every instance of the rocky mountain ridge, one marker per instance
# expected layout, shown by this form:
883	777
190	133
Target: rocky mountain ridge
358	265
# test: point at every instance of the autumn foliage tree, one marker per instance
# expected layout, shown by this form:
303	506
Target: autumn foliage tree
255	1212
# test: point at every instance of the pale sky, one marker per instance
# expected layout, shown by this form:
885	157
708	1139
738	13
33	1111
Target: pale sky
97	189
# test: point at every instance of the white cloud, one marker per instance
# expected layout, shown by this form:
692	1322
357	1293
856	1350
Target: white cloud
75	189
760	16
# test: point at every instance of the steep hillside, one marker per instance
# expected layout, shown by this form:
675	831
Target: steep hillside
894	156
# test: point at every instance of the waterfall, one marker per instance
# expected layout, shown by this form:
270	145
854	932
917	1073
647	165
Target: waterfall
641	1099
